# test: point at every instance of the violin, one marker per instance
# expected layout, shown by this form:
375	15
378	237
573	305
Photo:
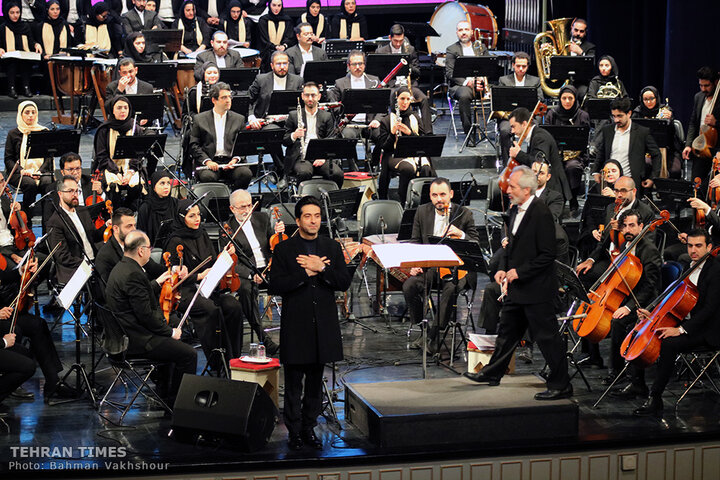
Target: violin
699	212
446	273
668	310
276	237
24	236
609	292
108	230
713	194
95	198
26	297
169	298
504	180
231	279
615	236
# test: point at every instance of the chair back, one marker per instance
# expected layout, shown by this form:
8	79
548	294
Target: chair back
313	186
414	191
114	339
390	211
669	272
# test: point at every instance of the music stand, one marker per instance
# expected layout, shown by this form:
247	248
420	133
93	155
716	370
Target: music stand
597	108
594	208
147	106
330	148
371	100
53	143
419	31
674	191
477	67
507	99
319	71
239	79
662	130
283	102
341	48
569	137
577	68
422	146
165	40
258	142
240	104
406	224
137	146
379	64
159	75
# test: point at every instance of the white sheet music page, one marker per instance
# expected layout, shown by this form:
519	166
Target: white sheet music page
218	270
76	283
394	254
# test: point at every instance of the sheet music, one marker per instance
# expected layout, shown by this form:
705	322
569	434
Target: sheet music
483	342
21	55
394	254
76	283
218	270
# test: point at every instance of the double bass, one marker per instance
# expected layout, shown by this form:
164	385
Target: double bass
504	180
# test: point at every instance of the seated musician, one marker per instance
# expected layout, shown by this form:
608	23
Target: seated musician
132	298
317	21
627	142
580	46
17	35
139	18
432	219
464	90
275	32
72	226
136	48
211	141
156	214
607	84
254	241
316	123
210	76
32	175
128	83
103	30
220	55
304	51
650	107
519	78
120	176
218	320
700	329
611	171
402	122
702	114
236	25
196	33
55	32
624	318
348	24
16	366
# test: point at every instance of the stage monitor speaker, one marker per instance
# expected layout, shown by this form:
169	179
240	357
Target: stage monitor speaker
230	409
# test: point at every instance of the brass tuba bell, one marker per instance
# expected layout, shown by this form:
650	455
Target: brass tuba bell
547	44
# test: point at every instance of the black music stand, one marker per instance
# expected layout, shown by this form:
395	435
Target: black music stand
674	192
594	209
324	71
240	104
163	40
341	48
258	142
569	137
53	143
159	75
577	68
380	64
597	108
147	106
662	130
422	146
477	67
371	101
418	31
283	102
138	146
239	79
330	149
507	99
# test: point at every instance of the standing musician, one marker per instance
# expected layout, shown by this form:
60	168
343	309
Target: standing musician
220	55
128	83
316	20
627	142
307	270
304	51
526	272
519	78
700	329
275	32
75	12
17	34
157	212
212	140
55	31
464	89
316	123
701	115
437	218
133	300
624	318
400	45
348	24
103	30
402	122
254	241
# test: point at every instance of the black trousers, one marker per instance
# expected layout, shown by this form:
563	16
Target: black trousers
405	171
16	367
414	295
30	188
669	350
329	170
247	297
232	315
239	177
181	355
503	127
18	69
302	406
490	308
515	319
207	320
464	96
42	347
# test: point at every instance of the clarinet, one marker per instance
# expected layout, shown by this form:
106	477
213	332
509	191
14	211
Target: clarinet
301	124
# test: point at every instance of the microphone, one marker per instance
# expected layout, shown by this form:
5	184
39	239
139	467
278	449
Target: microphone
32	205
474	180
259	179
195	202
383	226
323	191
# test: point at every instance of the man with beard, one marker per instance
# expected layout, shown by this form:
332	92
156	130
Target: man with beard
304	51
527	276
702	115
219	55
580	46
139	18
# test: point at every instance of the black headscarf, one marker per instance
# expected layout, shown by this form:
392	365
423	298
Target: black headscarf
613	68
231	26
649	112
130	51
616	163
206	86
160	209
560	111
114	123
345	14
59	22
19	28
189	24
98	9
180	229
280	17
312	20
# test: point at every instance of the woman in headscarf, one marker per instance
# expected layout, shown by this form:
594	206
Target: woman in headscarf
221	309
103	30
17	36
316	19
611	171
136	48
651	107
196	33
55	32
26	174
348	24
157	212
236	25
120	176
275	32
211	75
608	75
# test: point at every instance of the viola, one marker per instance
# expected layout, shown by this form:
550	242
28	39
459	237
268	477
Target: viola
24	236
615	236
504	180
276	237
108	230
668	310
95	198
169	298
609	292
713	194
699	212
26	296
231	279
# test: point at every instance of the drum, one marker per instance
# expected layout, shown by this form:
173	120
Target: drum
185	75
251	57
446	17
102	74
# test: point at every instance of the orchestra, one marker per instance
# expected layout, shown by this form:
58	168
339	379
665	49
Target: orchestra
154	243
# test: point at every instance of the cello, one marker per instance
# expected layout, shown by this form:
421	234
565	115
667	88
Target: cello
95	198
169	298
504	180
667	310
108	230
699	212
610	290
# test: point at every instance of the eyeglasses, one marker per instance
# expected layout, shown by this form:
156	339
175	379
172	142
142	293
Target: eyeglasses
72	192
149	247
76	169
356	64
621	190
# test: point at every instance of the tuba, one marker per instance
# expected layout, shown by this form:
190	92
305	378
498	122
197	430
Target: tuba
548	44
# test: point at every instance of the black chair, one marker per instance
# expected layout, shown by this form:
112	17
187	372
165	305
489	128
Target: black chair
312	187
370	213
698	362
414	191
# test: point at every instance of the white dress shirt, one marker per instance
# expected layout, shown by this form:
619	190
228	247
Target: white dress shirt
87	246
220	61
219	121
306	57
522	208
695	275
254	244
142	17
620	150
358	83
519	83
279	82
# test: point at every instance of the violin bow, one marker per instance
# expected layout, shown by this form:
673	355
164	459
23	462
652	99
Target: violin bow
658	210
28	283
202	264
247	217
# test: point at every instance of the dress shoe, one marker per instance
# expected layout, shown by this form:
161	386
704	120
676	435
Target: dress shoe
309	438
591	362
12	93
22	394
295	442
271	348
553	394
653	406
610	378
630	391
59	390
26	91
481	377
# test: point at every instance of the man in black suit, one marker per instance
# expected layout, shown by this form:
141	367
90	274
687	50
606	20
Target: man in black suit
580	46
16	365
527	274
627	142
132	298
212	139
354	80
220	55
464	89
254	242
138	19
519	78
304	51
75	12
700	329
431	219
399	45
128	83
307	270
541	146
701	115
72	226
71	165
316	123
712	217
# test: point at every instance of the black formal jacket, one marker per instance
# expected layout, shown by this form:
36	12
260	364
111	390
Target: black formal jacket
530	81
70	254
554	201
260	222
309	328
85	186
704	319
542	143
131	21
12	154
144	88
424	222
233	59
453	51
641	142
133	299
695	120
713	220
203	143
262	88
295	56
324	126
413	61
84	8
337	94
111	253
588	48
531	252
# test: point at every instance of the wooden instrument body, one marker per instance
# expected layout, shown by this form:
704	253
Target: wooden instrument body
504	180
